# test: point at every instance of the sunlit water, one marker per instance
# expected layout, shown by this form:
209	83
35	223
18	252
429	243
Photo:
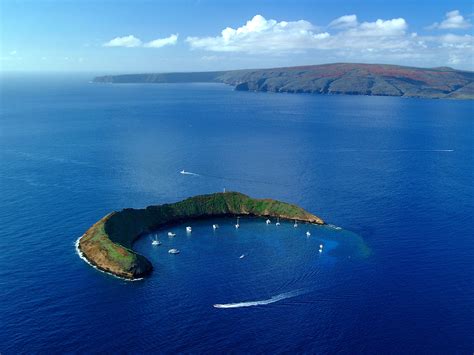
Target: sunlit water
395	174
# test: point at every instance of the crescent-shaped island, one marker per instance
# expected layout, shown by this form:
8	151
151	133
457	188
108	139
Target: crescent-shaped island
107	245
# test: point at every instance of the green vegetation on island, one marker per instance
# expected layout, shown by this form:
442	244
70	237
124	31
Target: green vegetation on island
337	78
108	243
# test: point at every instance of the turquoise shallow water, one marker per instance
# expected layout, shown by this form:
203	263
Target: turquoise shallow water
397	173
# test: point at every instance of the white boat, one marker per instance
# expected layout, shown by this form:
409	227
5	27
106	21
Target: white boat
237	225
320	246
171	234
278	221
173	251
308	233
182	172
155	241
296	224
320	250
215	226
268	221
242	256
189	229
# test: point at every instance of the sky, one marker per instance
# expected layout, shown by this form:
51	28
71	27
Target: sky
116	36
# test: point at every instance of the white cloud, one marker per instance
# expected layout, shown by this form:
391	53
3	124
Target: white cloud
453	21
346	39
457	41
126	41
453	59
261	35
345	21
161	42
211	57
13	52
131	41
394	27
452	41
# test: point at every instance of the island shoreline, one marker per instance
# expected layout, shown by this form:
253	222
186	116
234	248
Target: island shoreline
108	244
326	79
92	264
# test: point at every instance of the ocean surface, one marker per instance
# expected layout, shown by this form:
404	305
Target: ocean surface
395	174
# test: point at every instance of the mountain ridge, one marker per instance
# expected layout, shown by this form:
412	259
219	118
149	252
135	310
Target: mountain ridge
336	78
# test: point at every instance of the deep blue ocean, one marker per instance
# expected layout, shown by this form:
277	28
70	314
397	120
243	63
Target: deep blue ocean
396	174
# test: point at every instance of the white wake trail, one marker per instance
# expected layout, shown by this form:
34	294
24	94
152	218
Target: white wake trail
350	150
416	150
188	173
281	296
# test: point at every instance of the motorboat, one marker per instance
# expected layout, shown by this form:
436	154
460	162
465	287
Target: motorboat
237	225
215	226
189	229
308	234
171	234
173	251
155	240
278	221
268	221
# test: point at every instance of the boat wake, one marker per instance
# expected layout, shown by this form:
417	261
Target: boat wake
350	150
280	297
188	173
227	178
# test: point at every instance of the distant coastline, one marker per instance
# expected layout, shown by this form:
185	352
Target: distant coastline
107	245
333	79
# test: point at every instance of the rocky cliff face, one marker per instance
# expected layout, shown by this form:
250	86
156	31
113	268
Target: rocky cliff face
108	243
339	78
95	245
357	79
